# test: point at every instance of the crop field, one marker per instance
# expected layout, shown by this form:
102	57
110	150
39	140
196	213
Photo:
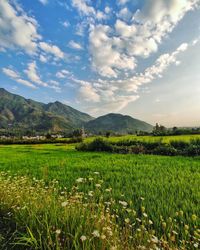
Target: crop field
149	138
161	191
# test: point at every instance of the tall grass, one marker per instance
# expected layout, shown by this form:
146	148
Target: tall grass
41	216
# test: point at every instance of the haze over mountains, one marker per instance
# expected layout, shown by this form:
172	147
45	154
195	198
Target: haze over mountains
22	114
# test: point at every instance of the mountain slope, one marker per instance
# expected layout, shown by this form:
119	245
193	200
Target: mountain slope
118	123
19	113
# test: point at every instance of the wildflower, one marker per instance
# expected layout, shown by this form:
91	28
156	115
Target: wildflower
90	193
150	222
79	180
142	198
64	204
98	185
91	179
96	233
154	239
58	231
196	245
97	173
145	215
83	238
108	189
123	203
164	225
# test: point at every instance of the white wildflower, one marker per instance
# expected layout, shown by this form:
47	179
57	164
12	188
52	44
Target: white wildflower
83	238
96	233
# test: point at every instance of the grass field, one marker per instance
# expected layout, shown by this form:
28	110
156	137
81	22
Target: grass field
170	186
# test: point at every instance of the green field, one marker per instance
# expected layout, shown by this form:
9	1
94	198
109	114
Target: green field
150	138
169	185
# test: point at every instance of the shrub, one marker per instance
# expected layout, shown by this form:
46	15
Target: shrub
98	145
165	150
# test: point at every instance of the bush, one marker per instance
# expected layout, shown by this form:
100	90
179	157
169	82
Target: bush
98	145
165	150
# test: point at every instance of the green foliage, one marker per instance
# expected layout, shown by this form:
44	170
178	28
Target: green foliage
98	145
191	148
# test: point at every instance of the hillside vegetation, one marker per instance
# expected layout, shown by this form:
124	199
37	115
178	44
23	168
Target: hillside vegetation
23	114
20	115
121	124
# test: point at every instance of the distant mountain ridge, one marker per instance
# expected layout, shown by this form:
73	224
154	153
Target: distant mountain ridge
26	114
20	114
118	123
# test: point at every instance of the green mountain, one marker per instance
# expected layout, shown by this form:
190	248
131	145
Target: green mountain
18	113
118	123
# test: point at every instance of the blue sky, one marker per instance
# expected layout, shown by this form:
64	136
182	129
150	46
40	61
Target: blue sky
140	58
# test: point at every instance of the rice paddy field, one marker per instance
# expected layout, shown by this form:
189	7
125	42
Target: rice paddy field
53	197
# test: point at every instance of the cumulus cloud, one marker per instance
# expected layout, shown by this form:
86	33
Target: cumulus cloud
105	58
16	77
32	74
74	45
115	94
52	49
128	41
17	30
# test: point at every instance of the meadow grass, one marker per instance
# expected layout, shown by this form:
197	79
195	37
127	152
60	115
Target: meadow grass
169	185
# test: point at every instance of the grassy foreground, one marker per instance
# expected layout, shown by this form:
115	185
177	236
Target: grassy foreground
169	186
38	216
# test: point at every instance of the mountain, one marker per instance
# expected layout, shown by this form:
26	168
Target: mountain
18	113
122	124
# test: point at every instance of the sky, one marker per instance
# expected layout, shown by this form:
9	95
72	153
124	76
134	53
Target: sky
135	57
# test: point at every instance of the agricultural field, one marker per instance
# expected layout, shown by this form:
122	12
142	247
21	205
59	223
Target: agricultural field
149	138
156	198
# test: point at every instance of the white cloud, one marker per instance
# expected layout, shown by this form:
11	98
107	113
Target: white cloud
43	58
52	49
32	74
85	9
115	50
66	24
122	2
63	74
44	2
17	30
125	14
11	73
74	45
88	94
105	58
16	76
115	94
